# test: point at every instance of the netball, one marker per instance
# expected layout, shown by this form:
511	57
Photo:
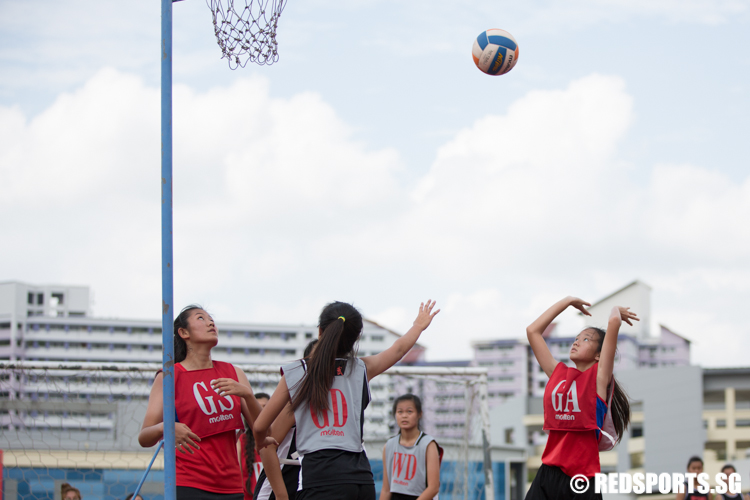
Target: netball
495	52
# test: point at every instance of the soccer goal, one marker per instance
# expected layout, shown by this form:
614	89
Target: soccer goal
78	423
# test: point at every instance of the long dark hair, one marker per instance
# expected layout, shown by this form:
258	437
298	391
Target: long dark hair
620	401
180	346
341	326
250	448
249	439
417	404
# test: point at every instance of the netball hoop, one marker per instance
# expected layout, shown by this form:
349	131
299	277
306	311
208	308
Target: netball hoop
247	32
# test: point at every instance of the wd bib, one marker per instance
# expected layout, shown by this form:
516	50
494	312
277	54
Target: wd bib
407	466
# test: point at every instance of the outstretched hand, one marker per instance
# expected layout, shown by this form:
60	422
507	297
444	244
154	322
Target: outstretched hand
626	315
424	318
578	304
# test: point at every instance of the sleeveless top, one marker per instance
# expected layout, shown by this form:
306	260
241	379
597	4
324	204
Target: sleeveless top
573	414
407	466
330	444
290	473
730	496
696	496
214	467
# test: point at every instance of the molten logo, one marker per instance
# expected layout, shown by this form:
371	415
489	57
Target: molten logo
220	418
338	413
202	398
401	460
572	399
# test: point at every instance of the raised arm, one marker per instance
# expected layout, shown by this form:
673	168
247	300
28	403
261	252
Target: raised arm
535	330
607	354
380	362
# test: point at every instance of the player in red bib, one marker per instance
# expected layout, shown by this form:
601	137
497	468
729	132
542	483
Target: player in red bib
211	397
575	402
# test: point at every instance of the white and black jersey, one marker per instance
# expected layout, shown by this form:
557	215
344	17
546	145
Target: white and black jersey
287	449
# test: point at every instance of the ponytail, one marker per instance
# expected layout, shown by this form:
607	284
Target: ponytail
620	410
340	325
250	449
180	346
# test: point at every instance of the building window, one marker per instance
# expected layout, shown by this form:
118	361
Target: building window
721	424
377	338
30	299
40	299
56	299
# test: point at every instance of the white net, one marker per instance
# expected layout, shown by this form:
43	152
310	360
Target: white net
78	423
246	30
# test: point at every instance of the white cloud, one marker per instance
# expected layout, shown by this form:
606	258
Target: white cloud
281	208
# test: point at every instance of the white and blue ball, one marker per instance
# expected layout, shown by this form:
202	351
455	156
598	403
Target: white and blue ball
495	52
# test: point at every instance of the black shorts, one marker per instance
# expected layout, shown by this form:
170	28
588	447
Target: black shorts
188	493
551	483
401	496
348	491
290	475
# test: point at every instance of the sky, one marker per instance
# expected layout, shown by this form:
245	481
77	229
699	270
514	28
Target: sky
375	164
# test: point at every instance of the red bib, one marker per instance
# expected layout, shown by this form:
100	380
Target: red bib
570	399
201	408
